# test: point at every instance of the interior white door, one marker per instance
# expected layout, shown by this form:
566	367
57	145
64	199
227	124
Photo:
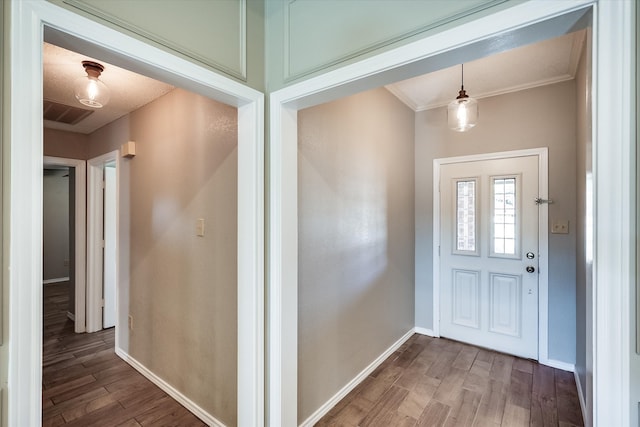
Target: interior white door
489	254
109	270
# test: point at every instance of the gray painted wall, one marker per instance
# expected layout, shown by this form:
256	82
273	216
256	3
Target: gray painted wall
584	265
182	288
540	117
70	145
356	239
55	224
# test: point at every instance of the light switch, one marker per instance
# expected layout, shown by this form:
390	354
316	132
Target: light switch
200	227
560	226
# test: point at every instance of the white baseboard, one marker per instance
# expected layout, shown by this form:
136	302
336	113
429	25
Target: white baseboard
322	411
57	280
170	390
563	366
71	316
583	403
424	331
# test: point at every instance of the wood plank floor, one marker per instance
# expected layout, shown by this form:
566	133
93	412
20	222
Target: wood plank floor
85	384
439	382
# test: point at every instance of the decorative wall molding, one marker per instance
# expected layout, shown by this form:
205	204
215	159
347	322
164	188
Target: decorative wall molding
238	70
294	71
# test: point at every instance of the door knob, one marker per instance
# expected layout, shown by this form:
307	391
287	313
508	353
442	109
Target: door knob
530	269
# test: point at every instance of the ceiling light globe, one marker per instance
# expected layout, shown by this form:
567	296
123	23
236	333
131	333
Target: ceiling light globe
90	91
462	114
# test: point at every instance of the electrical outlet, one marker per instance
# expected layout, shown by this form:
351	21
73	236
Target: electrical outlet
560	226
130	322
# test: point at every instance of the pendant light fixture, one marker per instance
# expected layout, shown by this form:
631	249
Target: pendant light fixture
90	90
462	112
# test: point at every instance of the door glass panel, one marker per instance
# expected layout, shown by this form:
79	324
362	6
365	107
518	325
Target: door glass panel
504	233
466	216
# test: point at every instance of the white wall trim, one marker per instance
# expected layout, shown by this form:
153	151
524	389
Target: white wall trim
170	390
371	72
56	280
80	260
95	225
583	405
29	20
326	407
425	331
557	364
543	237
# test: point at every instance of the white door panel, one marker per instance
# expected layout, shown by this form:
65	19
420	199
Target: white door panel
489	223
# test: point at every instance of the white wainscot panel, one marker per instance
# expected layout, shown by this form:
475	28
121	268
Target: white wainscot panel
466	298
505	304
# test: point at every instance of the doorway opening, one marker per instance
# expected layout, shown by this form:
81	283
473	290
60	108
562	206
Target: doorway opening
25	280
287	104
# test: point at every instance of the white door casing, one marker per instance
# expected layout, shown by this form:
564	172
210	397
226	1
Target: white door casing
95	237
489	253
110	247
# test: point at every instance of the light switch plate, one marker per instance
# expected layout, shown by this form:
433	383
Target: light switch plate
200	227
560	226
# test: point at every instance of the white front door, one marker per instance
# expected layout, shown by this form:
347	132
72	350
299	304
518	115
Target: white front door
489	254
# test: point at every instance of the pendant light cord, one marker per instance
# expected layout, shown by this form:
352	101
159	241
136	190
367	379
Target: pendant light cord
462	85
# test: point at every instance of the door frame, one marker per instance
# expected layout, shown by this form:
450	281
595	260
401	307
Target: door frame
80	236
23	190
95	205
543	241
614	227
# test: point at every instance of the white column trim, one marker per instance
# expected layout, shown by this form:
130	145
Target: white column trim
614	206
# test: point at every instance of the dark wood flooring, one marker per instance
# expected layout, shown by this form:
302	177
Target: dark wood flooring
84	383
439	382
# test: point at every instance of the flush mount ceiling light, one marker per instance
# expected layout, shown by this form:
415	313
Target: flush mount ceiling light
462	112
89	90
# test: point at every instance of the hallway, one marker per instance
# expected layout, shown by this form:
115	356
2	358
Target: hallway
85	383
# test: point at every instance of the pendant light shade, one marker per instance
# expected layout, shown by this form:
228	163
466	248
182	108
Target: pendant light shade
90	90
462	112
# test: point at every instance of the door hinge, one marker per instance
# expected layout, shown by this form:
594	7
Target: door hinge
102	303
102	243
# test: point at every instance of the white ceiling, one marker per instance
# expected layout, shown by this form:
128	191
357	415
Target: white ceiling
129	91
547	62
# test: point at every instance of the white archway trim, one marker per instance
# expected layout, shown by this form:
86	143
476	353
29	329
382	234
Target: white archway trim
80	235
613	42
28	18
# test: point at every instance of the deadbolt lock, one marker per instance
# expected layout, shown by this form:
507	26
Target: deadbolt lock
530	255
530	269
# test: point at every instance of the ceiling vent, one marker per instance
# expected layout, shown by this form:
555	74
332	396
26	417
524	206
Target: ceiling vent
62	113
